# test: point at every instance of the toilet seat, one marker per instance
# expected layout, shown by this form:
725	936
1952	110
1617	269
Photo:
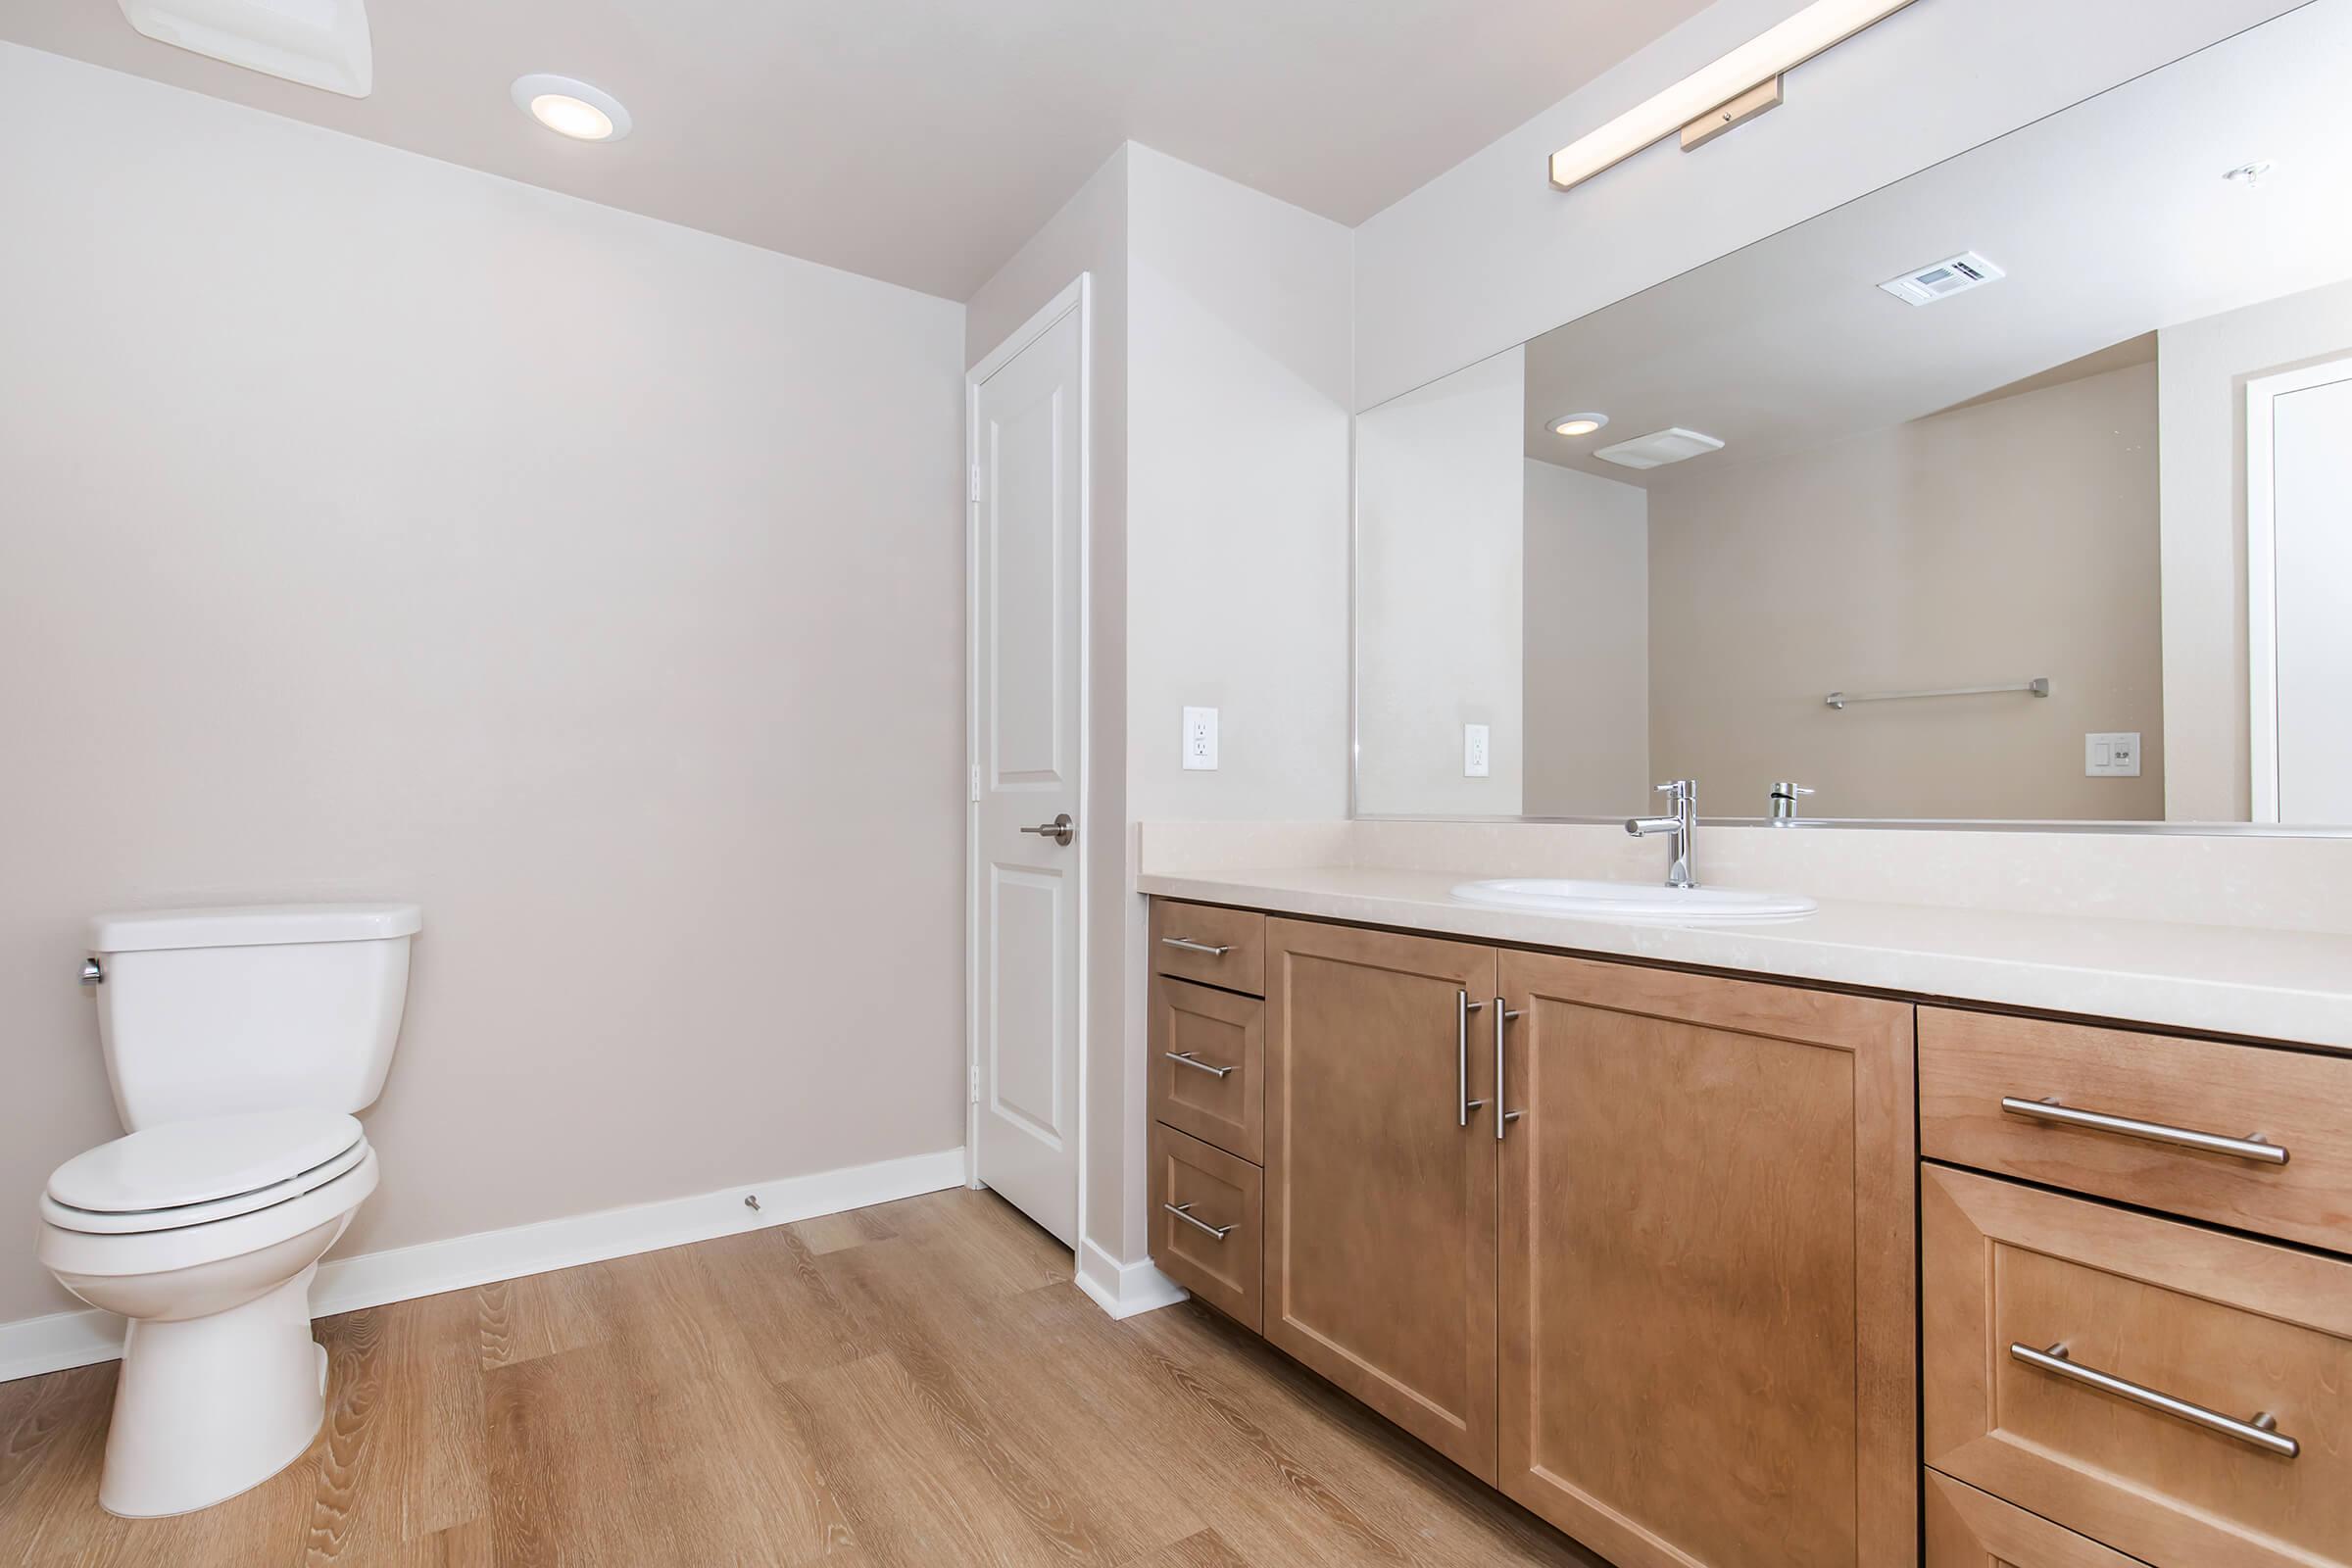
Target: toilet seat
196	1172
69	1250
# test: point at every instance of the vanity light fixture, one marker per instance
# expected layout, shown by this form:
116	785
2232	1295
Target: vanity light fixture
1715	98
572	108
1578	424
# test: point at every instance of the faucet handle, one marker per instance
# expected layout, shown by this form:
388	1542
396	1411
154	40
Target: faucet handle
1679	787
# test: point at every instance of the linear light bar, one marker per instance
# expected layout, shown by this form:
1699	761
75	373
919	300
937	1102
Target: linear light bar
1754	64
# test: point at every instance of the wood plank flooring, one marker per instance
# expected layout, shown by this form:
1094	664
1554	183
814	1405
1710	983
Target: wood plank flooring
917	1385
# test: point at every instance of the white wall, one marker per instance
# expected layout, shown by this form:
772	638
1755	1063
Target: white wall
369	526
1439	495
1487	254
1585	593
2202	371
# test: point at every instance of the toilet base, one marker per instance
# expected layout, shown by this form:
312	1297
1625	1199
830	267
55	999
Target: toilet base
207	1407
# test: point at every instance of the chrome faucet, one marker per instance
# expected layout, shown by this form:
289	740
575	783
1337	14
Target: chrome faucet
1782	802
1683	824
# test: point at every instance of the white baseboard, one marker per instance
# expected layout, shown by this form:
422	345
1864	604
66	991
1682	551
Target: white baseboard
62	1339
1124	1289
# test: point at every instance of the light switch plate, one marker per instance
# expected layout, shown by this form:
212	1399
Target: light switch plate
2113	754
1200	739
1475	760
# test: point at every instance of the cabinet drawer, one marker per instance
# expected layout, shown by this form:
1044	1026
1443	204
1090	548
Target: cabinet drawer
1213	946
1208	1066
1215	1247
2055	1329
2257	1098
1971	1529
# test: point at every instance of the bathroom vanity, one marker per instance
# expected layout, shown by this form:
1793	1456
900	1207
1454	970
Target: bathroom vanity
1733	1270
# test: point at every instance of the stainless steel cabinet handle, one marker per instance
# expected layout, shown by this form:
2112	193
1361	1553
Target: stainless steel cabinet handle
2253	1147
1190	945
1503	1015
1191	1060
1183	1212
2262	1432
1463	1007
1060	830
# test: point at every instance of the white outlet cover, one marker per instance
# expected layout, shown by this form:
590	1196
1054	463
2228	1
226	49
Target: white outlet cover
2113	754
1200	739
1477	750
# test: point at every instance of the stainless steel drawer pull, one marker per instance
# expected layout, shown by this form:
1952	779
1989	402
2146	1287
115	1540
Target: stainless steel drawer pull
1190	945
1503	1015
1191	1060
2262	1432
1183	1212
2253	1147
1463	1007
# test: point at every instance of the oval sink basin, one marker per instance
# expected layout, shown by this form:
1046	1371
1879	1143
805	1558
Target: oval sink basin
1632	901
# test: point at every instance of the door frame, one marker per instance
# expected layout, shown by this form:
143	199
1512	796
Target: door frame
1078	296
2262	570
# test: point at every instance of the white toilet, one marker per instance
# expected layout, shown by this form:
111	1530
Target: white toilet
238	1041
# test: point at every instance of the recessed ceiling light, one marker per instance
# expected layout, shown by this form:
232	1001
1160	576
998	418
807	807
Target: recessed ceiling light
1578	424
572	108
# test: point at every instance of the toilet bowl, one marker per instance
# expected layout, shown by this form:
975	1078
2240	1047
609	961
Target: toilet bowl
238	1042
206	1233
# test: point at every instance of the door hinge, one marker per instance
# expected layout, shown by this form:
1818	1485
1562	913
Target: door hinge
975	783
975	1083
975	494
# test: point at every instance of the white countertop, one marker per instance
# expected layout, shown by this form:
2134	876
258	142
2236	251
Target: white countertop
2272	984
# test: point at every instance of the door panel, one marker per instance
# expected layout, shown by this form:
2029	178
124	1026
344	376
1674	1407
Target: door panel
1380	1192
1026	522
1706	1267
2312	453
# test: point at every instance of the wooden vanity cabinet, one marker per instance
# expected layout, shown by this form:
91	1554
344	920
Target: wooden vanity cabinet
1706	1266
1379	1175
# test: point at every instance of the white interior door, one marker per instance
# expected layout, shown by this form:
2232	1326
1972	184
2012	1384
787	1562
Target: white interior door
1028	526
2309	528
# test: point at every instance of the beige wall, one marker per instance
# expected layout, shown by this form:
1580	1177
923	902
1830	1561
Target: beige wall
1992	543
2204	368
1587	639
369	526
1440	477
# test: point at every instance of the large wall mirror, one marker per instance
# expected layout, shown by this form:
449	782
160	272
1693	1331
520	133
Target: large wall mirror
2018	491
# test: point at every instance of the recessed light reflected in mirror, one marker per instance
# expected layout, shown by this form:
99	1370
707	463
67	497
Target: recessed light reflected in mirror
1578	424
572	108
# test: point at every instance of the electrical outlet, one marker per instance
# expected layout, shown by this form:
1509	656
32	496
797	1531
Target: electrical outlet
2115	755
1474	751
1200	739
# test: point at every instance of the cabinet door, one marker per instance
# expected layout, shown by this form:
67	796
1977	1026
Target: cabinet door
1706	1274
1380	1186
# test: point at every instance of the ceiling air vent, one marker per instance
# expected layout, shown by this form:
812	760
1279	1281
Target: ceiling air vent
1660	448
1955	276
319	43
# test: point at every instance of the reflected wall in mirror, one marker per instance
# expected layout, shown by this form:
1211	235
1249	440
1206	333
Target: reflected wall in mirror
2074	407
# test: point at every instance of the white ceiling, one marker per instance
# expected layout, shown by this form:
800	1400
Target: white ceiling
2112	220
921	141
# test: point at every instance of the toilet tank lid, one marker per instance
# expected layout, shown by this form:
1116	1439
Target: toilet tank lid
252	926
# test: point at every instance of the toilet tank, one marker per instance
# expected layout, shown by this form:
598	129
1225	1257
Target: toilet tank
207	1012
